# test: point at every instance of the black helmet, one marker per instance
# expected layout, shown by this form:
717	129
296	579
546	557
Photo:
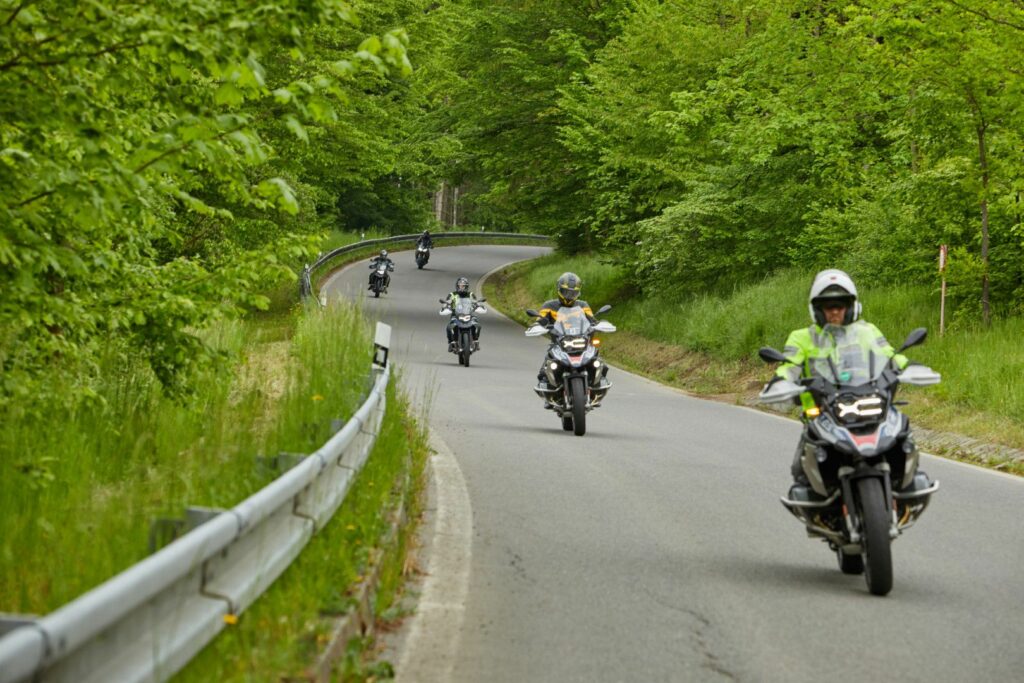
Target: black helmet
833	285
426	233
462	286
569	288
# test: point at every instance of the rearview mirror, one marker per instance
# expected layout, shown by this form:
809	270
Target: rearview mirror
914	338
533	313
604	309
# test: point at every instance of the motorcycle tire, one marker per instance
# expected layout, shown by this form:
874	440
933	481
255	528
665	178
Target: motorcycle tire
467	347
567	423
877	556
376	294
850	564
579	406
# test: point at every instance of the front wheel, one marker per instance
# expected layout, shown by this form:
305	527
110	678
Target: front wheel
467	347
874	515
579	406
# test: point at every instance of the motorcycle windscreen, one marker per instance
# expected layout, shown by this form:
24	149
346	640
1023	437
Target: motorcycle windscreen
854	360
465	305
570	322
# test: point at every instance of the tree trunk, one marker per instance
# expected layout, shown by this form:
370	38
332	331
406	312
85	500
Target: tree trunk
439	196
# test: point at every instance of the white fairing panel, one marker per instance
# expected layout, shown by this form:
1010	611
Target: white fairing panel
919	375
780	392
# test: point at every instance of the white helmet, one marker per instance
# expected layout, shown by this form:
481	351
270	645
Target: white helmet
833	284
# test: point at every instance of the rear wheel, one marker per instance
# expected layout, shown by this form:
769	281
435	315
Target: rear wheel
567	423
467	347
877	558
579	406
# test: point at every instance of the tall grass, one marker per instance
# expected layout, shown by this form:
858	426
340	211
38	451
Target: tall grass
982	369
78	489
282	634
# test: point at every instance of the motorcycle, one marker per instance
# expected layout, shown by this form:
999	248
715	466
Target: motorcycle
464	317
576	375
859	457
422	256
379	277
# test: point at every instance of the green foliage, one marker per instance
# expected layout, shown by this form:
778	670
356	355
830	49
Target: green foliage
144	187
709	143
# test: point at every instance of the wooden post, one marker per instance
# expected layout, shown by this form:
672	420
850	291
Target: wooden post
943	255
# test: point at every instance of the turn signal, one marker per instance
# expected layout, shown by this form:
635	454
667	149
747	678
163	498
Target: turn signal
812	412
596	342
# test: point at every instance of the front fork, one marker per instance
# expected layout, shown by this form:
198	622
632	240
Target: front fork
848	475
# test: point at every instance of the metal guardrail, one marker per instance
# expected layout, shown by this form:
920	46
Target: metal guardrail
306	282
147	622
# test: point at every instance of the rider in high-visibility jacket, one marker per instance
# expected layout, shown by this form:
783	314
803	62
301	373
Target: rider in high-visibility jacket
835	332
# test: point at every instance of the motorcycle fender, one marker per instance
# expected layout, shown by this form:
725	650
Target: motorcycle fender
566	384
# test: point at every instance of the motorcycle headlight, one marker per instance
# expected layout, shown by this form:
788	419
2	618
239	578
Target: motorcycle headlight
854	409
465	318
576	344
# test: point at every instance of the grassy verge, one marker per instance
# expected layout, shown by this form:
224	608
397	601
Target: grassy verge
283	633
76	501
707	344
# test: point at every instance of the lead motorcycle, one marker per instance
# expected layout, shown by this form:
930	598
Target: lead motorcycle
573	367
464	317
859	456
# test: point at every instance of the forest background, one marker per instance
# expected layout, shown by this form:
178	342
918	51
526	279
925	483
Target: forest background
163	166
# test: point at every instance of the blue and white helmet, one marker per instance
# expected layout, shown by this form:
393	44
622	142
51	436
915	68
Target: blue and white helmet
833	284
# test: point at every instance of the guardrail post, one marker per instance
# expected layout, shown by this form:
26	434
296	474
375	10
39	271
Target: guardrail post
164	530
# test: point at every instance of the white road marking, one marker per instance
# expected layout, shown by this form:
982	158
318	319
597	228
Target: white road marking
432	645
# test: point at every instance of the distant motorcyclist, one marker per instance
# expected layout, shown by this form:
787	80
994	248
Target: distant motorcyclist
568	289
425	240
461	292
837	330
375	261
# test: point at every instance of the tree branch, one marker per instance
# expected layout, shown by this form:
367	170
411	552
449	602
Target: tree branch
15	12
986	15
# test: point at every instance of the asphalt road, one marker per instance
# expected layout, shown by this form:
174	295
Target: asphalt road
655	549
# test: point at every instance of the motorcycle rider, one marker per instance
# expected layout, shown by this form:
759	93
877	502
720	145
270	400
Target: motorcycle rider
425	240
836	331
383	256
568	289
461	292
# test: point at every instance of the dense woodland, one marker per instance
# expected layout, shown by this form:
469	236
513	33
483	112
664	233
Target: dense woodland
163	164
